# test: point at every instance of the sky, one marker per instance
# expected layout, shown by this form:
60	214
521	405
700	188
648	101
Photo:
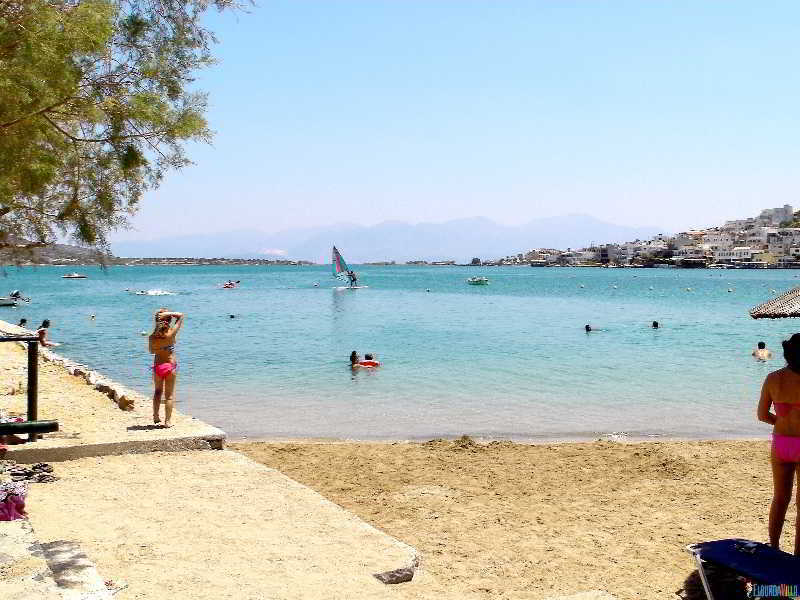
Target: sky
671	114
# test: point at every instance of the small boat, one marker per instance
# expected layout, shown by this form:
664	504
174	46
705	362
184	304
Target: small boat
8	301
478	281
73	276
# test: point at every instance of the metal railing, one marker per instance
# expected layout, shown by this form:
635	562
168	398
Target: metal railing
33	376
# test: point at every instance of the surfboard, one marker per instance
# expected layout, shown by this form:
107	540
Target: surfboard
347	287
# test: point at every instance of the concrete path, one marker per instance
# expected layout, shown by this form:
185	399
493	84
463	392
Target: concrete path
216	525
87	407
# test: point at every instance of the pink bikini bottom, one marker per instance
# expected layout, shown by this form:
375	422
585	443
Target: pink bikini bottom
165	369
786	448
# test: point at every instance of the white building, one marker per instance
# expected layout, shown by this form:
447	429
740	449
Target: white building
718	239
775	216
734	254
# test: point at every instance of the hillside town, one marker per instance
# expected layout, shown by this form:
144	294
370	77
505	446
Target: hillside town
770	240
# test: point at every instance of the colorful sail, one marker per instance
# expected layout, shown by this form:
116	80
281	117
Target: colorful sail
339	266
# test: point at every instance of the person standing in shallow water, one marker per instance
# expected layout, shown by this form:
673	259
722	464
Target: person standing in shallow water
781	389
42	334
161	344
761	352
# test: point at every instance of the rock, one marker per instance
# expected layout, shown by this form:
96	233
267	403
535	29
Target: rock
125	402
396	576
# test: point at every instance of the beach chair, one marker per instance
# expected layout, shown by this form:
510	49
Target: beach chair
759	563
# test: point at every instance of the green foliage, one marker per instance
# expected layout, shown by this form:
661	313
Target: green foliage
94	109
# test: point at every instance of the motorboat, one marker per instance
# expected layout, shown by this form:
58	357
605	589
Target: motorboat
478	281
73	276
8	301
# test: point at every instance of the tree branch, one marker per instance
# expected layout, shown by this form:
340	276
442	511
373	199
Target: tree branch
38	112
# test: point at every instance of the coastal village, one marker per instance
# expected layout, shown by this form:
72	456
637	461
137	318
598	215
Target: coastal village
770	240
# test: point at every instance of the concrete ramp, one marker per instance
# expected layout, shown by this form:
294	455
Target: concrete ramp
215	525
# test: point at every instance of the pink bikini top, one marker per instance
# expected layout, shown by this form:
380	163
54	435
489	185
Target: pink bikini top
782	409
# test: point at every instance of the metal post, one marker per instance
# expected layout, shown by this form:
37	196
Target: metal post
33	385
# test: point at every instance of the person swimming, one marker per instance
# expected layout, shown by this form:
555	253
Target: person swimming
369	361
655	325
587	328
354	358
761	353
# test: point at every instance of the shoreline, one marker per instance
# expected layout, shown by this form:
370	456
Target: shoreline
485	440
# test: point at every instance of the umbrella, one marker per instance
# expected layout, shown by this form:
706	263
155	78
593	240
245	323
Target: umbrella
785	305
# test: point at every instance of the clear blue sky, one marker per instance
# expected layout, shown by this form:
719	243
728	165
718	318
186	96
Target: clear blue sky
672	114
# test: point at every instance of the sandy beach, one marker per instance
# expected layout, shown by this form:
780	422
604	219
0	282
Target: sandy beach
508	520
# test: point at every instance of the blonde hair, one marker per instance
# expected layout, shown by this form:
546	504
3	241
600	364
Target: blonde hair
158	328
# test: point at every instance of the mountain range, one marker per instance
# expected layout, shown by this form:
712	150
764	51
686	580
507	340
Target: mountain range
459	240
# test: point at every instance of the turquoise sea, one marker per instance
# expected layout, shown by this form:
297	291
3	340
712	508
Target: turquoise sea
508	360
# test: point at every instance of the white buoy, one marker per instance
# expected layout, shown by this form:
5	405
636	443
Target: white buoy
615	287
688	289
142	333
651	287
730	290
582	285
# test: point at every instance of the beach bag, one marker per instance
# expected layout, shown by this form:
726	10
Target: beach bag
12	501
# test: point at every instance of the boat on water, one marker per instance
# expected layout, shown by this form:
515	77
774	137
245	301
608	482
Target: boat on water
478	281
8	301
341	270
74	276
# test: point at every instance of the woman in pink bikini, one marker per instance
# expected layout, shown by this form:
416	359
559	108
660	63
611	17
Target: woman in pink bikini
162	345
782	389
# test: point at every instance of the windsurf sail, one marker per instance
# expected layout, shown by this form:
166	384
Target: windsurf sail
339	266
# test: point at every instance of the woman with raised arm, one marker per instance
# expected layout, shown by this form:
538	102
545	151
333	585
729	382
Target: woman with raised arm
782	390
161	344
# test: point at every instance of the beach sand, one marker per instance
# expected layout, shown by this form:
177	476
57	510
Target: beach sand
519	521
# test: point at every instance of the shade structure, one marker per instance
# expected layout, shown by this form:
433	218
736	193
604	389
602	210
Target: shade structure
785	305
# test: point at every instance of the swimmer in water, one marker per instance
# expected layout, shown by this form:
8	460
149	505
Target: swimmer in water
588	328
761	353
369	361
655	325
354	358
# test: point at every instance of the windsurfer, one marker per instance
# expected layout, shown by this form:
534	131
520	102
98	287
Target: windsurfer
353	278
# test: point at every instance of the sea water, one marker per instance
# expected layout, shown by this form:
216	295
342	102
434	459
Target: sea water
507	360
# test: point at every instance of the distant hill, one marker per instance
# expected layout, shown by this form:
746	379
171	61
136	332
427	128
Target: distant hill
458	240
52	254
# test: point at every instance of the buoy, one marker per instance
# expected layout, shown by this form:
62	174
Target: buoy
688	289
427	289
730	290
142	333
582	285
615	287
651	287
